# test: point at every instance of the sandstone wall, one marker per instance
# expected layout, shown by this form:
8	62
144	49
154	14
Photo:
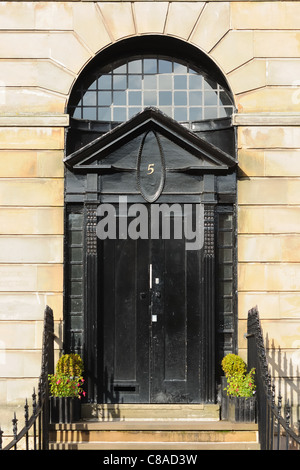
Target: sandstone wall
43	48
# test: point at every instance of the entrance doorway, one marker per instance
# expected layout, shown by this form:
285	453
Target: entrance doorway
151	318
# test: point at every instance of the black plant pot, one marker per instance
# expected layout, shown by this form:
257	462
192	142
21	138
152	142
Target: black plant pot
242	409
65	409
237	409
224	399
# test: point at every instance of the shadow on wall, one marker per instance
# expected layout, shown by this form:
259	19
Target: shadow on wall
286	376
59	339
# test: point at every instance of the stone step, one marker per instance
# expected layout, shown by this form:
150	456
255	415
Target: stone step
155	446
109	412
154	434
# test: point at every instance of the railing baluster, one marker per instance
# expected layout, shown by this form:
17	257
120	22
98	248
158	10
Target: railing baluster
15	429
34	413
279	403
287	419
273	415
40	418
26	416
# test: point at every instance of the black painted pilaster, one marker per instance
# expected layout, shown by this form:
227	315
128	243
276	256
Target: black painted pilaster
91	283
208	292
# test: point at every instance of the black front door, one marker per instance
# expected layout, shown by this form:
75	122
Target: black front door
151	317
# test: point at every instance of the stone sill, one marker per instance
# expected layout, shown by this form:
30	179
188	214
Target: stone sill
62	120
48	120
266	119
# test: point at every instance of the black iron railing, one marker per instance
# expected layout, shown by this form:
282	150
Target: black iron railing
35	433
274	418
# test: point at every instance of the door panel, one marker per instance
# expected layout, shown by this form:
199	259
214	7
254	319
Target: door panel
151	308
170	331
176	333
125	331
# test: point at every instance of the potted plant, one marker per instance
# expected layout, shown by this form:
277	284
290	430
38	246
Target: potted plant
66	389
238	394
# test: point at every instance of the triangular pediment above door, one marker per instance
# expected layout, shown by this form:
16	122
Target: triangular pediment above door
121	148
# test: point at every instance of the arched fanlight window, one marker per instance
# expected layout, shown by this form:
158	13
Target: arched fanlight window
124	88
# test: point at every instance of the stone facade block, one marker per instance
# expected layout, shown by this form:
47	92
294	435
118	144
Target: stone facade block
276	43
269	100
269	191
31	192
30	100
50	278
249	76
234	49
31	249
213	24
275	306
118	19
32	278
53	15
31	220
42	45
269	277
281	163
269	137
28	306
150	18
31	164
14	365
73	55
284	335
265	15
38	73
12	393
31	138
269	248
16	16
21	335
251	162
89	26
283	72
182	18
268	219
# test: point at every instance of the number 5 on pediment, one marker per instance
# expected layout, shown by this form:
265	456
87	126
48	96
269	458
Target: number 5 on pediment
150	169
